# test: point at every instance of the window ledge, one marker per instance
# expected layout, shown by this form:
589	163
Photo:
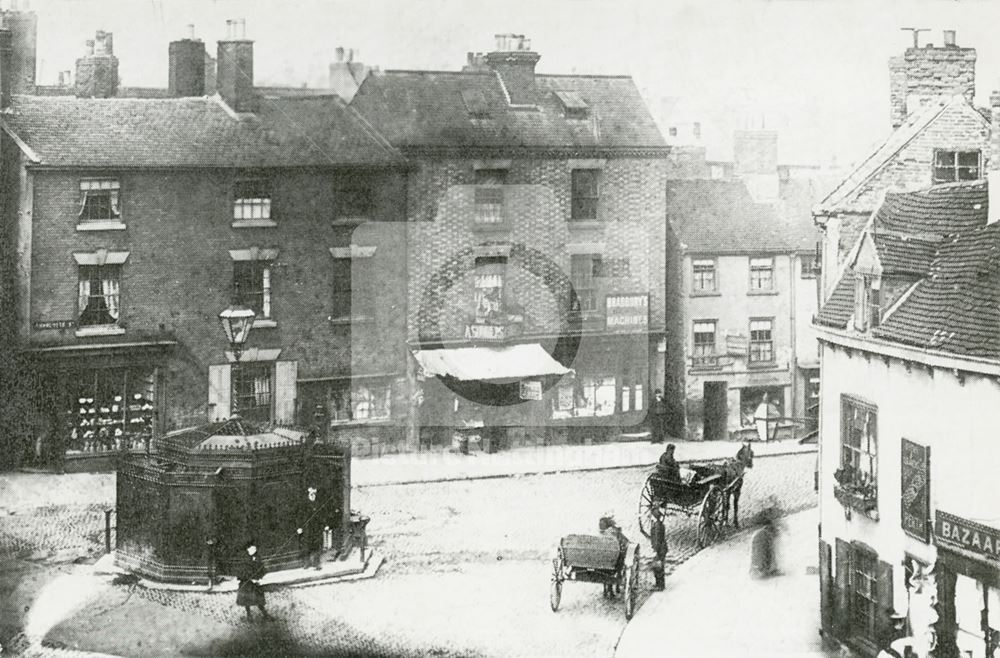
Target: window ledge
100	330
103	225
254	223
762	292
761	365
584	224
490	226
350	221
705	293
867	505
264	323
352	319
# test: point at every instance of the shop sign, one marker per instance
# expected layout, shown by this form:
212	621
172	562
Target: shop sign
491	332
973	537
53	324
531	390
737	344
915	493
628	312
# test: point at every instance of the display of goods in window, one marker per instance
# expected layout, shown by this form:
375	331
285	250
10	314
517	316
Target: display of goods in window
106	417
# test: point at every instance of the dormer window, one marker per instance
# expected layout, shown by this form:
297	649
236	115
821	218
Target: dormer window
475	103
953	166
574	107
867	302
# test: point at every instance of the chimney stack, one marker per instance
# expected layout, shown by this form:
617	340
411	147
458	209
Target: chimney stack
993	167
515	62
23	27
922	75
187	66
97	70
346	75
234	73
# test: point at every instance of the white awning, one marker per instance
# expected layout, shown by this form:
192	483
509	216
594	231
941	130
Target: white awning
490	363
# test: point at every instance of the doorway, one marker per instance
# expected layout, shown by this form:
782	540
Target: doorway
716	411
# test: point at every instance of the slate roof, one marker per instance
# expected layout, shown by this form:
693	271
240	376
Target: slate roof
954	306
426	109
194	132
720	216
845	196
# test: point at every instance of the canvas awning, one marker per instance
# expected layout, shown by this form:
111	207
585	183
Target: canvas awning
490	363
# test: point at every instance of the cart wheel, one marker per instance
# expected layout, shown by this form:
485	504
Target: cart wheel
708	527
555	591
646	508
631	585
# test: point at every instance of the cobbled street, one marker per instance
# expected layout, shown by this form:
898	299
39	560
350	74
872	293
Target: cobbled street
466	572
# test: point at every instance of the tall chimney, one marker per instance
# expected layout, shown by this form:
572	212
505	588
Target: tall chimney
23	26
234	73
993	167
922	75
515	62
6	68
346	75
187	67
97	70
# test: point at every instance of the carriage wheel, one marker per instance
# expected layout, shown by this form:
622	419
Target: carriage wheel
631	585
646	508
555	590
708	519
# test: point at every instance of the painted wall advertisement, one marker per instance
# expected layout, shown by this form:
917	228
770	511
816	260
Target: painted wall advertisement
915	501
627	312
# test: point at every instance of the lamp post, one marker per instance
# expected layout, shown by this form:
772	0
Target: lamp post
237	321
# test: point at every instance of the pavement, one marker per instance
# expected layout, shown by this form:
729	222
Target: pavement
711	607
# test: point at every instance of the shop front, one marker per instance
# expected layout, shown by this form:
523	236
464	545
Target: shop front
968	587
90	405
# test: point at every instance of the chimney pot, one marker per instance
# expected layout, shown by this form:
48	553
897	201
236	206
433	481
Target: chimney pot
90	46
243	28
949	38
350	54
340	53
190	28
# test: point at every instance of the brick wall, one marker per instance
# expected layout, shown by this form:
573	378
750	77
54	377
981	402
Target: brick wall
631	226
923	74
179	272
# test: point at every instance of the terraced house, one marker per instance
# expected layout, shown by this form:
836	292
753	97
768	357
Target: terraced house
536	233
134	222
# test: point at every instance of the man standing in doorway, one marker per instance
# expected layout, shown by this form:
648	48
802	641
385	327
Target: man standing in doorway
658	417
312	529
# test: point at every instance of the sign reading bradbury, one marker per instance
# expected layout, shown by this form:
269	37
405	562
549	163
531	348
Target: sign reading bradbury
628	312
974	537
915	493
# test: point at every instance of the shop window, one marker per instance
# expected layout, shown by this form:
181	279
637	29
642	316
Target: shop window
704	343
761	274
751	400
703	275
977	617
488	288
761	341
100	200
252	200
251	386
583	271
633	394
585	194
857	477
371	401
252	286
864	603
586	397
953	166
110	409
99	295
353	288
489	195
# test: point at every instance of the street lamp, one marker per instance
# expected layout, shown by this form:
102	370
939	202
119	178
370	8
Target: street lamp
237	321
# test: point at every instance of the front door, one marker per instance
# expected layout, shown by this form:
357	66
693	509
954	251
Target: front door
716	411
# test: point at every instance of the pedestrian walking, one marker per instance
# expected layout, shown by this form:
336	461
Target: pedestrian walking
658	417
658	538
763	559
250	593
311	530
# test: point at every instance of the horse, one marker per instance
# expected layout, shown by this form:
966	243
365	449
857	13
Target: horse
732	481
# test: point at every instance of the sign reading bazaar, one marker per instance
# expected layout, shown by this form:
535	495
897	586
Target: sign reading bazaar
969	535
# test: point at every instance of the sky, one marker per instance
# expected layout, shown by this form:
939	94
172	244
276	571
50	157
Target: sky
814	70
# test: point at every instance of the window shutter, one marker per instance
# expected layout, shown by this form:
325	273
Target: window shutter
842	596
884	604
285	383
218	392
825	587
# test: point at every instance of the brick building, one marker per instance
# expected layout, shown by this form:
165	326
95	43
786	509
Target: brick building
134	221
910	349
749	295
938	137
537	244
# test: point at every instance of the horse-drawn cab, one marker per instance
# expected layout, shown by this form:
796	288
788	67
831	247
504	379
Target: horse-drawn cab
608	559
